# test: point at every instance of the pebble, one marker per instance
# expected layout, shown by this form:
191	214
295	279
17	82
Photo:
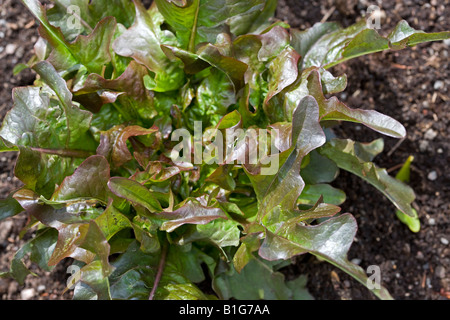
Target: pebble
5	228
356	261
447	42
438	85
10	48
432	176
440	272
41	288
423	145
444	241
430	134
431	221
27	294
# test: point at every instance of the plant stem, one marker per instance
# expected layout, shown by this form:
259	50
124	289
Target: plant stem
65	152
161	265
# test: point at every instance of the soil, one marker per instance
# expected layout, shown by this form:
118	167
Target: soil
410	85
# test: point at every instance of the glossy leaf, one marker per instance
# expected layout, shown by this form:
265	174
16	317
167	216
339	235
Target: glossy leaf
142	42
257	281
134	192
88	181
113	143
202	20
345	154
329	240
403	175
359	39
9	207
191	212
283	188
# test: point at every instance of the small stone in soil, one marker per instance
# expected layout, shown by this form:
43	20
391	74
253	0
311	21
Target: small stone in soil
444	241
432	176
438	85
423	145
10	48
430	134
27	294
440	272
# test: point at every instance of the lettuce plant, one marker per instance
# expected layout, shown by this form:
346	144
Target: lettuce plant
108	182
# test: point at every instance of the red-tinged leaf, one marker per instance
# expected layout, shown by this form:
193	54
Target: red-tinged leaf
209	55
191	212
88	181
143	43
158	171
329	240
353	157
283	187
283	71
310	83
128	89
113	143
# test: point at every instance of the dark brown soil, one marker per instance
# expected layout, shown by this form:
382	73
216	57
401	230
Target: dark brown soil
410	85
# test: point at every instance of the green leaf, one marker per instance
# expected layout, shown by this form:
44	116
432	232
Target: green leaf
403	175
111	221
302	41
134	275
345	154
91	51
299	290
202	20
9	207
5	146
258	281
312	193
41	172
35	121
39	248
220	232
283	71
92	274
254	21
359	39
320	169
209	55
134	192
329	240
